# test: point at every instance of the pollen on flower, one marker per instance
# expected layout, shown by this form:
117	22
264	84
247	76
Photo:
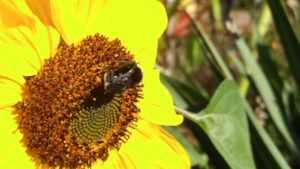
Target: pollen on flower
66	116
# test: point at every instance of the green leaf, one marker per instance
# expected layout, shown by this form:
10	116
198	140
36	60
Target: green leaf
267	64
225	123
265	90
288	38
194	53
194	83
183	95
297	14
176	94
216	57
264	144
264	18
217	11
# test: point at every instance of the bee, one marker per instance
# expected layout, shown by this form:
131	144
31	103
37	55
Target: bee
118	80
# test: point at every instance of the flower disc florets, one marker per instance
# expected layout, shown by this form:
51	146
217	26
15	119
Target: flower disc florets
67	116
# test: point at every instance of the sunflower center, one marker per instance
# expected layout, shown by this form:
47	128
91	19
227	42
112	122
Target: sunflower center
94	120
80	104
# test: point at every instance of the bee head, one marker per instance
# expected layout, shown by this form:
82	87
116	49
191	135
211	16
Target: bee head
118	80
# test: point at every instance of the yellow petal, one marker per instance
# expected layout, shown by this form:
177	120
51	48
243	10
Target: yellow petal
146	57
115	161
151	147
10	90
42	38
10	86
24	41
41	9
157	104
12	153
73	18
9	100
15	60
137	23
11	15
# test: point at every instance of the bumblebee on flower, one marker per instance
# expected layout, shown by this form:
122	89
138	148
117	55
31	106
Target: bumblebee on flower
90	96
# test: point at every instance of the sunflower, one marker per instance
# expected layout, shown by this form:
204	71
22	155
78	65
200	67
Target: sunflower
78	88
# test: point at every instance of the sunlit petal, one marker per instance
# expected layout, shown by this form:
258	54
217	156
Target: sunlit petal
24	41
10	147
132	21
42	9
74	18
30	32
152	147
157	105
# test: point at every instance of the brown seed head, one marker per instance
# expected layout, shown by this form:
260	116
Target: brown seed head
66	118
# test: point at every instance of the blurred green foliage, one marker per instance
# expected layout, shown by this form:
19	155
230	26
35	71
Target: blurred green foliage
233	70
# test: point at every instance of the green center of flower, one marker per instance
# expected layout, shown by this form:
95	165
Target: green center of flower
80	104
94	121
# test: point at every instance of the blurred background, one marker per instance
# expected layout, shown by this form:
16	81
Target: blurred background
233	69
